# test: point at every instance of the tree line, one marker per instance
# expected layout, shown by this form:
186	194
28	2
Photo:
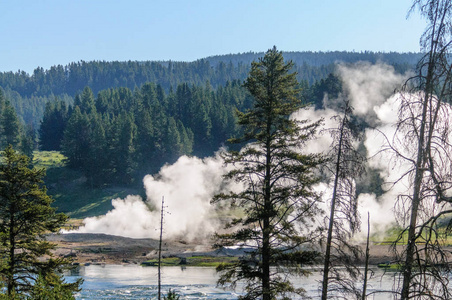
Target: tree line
122	135
29	93
100	75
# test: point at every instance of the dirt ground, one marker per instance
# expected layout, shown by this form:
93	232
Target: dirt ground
108	249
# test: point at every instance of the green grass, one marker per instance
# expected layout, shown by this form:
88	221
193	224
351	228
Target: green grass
69	189
390	267
194	261
393	233
48	159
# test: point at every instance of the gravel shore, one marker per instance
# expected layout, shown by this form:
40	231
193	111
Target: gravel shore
87	248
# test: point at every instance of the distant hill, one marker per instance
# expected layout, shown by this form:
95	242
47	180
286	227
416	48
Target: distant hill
100	75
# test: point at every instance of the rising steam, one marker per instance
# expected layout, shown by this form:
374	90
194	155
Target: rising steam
187	187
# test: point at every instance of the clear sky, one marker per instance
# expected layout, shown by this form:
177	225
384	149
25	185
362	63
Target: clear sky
50	32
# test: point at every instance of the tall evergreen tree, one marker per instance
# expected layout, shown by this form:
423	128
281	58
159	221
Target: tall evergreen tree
28	141
76	139
87	104
278	197
10	125
146	148
122	149
95	167
26	215
53	124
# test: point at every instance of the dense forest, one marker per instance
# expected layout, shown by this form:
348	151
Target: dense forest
121	135
29	93
117	121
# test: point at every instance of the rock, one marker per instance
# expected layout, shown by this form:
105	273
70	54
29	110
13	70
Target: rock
70	255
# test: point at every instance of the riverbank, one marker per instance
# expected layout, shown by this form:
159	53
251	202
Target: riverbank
87	248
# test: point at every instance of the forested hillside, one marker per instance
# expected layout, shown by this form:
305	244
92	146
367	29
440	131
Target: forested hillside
28	93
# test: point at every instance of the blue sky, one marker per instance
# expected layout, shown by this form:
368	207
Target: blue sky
50	32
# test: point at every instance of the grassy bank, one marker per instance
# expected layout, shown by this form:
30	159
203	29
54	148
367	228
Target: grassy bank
69	189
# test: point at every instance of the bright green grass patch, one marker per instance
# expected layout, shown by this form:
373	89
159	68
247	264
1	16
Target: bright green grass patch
48	159
394	234
390	267
194	261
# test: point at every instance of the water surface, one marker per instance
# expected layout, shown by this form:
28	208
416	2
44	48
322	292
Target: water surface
136	282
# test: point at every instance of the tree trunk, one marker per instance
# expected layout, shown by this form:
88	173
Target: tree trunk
416	200
160	252
266	291
366	263
12	259
326	265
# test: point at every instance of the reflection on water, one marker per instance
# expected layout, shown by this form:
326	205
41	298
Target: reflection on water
136	282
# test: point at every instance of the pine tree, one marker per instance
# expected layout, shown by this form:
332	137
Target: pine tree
76	139
26	215
277	198
53	124
87	101
28	141
95	167
11	126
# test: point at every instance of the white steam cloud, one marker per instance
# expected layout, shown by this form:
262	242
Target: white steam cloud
368	86
187	187
371	91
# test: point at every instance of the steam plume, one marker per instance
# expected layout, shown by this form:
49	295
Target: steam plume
188	186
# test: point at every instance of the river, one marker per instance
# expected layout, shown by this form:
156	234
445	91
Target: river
136	282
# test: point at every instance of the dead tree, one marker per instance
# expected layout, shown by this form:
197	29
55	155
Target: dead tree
346	165
366	260
423	144
160	250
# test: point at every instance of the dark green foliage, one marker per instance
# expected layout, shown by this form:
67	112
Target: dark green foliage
121	136
12	131
278	199
10	126
87	101
28	142
53	287
95	153
121	148
53	125
76	140
26	217
327	88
